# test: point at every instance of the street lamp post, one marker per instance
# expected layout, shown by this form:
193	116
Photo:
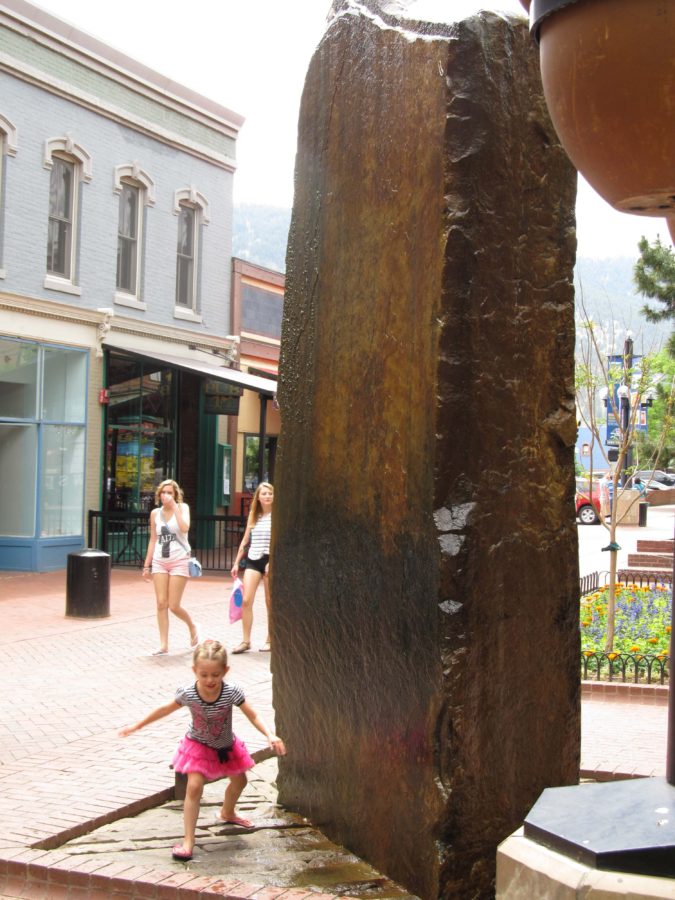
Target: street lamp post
623	393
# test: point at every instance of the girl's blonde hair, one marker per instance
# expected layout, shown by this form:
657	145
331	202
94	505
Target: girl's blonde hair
210	650
255	511
169	482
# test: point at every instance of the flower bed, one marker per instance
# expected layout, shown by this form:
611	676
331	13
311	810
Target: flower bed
641	636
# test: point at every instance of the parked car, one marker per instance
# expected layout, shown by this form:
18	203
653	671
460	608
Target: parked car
658	481
587	502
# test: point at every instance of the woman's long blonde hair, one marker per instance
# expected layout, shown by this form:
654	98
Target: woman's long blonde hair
255	511
177	492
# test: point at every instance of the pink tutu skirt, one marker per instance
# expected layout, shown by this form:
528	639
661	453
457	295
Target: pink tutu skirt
191	756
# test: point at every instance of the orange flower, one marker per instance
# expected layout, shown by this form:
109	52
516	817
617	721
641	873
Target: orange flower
612	655
634	649
652	640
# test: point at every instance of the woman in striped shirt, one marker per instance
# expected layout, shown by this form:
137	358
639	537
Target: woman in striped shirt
258	533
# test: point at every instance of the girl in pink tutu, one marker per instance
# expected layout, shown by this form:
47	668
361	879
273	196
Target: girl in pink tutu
210	750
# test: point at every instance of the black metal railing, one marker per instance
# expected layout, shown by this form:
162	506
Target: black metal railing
588	583
643	578
634	668
124	535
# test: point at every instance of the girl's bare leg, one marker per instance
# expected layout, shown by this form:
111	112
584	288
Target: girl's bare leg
160	582
175	595
268	604
233	791
251	582
193	796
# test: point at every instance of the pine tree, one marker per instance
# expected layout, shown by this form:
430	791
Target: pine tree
654	277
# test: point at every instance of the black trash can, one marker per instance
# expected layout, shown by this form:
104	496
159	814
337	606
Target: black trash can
643	506
88	584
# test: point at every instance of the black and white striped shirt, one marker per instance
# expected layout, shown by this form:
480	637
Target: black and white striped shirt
211	722
260	537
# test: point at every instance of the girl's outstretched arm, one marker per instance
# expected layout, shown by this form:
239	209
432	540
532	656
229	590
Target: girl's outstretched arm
156	714
275	742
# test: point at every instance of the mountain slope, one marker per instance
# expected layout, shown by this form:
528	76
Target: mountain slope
603	286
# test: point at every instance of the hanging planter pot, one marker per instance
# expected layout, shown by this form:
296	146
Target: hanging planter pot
608	71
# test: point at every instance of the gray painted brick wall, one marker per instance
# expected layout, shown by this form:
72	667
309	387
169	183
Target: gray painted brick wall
38	116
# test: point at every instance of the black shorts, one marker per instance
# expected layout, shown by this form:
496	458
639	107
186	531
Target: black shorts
258	564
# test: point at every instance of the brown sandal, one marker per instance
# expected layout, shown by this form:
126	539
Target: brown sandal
242	648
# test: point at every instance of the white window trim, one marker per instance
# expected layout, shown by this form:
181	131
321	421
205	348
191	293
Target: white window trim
195	198
133	172
9	146
67	146
189	315
10	134
54	280
121	298
55	283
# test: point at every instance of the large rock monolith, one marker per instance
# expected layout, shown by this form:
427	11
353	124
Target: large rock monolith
425	578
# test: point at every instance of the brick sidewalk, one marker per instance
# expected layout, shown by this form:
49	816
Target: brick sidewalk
70	684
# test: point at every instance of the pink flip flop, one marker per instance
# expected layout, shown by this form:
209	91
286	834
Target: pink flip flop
179	852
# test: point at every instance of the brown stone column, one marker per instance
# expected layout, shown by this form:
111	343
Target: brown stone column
425	579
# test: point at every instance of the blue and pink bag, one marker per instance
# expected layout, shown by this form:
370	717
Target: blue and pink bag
236	600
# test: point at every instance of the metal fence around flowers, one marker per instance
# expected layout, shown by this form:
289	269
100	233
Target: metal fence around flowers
627	668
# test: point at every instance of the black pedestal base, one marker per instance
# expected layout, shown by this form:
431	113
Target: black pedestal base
623	826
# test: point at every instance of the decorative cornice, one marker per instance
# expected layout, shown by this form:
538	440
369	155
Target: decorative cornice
196	198
26	73
48	309
11	135
133	172
47	30
67	145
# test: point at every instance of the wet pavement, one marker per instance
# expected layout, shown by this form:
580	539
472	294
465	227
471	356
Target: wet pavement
283	851
88	811
85	813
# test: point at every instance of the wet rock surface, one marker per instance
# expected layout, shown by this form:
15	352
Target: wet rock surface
425	470
283	850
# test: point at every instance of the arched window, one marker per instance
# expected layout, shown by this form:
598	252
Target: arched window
192	209
69	165
8	147
136	190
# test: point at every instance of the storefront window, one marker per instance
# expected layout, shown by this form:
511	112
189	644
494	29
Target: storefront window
42	384
62	484
18	462
140	448
18	379
65	379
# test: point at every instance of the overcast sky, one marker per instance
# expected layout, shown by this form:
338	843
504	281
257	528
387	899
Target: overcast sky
252	55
